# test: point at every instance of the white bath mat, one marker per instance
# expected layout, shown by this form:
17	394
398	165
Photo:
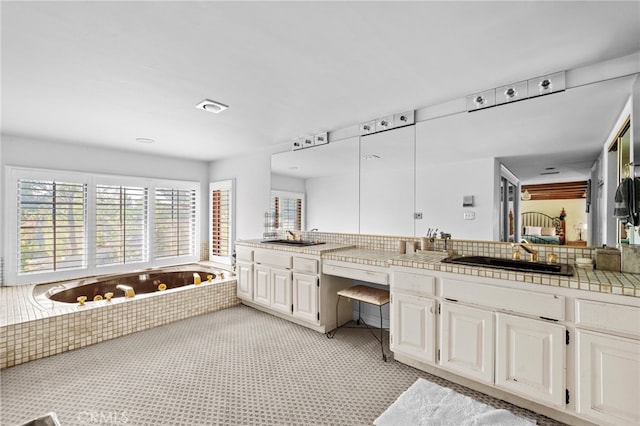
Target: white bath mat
426	403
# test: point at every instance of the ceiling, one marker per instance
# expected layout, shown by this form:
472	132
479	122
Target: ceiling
106	73
557	191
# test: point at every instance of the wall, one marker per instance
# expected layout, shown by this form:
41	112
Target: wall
439	192
252	175
324	194
24	152
287	183
575	210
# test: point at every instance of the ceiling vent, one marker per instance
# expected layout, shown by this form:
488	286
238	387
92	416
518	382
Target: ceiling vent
212	106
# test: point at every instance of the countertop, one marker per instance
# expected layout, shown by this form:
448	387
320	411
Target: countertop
619	283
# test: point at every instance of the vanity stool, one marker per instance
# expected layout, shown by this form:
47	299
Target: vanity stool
370	295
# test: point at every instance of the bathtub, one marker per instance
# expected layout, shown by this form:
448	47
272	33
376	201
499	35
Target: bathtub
57	323
143	282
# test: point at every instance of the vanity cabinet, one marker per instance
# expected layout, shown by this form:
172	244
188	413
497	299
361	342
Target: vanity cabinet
467	341
291	285
413	326
244	269
305	297
530	358
413	315
608	362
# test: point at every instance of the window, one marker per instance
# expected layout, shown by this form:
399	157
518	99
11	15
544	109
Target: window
221	230
51	225
63	225
121	224
287	209
175	222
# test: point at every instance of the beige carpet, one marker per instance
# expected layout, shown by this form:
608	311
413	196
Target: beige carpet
233	367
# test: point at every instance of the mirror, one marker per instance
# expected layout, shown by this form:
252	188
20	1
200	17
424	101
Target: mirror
456	156
329	177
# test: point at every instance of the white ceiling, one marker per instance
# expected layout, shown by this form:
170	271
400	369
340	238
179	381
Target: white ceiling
106	73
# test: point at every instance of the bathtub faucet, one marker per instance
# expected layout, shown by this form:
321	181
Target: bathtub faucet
128	290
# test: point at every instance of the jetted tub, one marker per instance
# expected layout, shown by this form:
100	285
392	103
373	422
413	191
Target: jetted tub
142	282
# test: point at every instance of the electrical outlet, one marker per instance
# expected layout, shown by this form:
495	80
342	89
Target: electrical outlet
469	215
417	215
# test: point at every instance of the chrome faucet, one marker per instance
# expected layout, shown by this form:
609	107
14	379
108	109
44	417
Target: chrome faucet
533	254
128	290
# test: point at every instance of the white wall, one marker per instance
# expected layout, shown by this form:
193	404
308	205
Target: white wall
18	151
252	175
439	192
332	203
287	183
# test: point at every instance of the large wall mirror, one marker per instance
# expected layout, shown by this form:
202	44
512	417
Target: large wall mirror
451	157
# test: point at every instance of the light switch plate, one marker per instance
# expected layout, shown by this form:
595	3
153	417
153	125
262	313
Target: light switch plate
417	215
469	215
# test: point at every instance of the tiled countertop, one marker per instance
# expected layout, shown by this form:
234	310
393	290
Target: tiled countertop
590	280
317	250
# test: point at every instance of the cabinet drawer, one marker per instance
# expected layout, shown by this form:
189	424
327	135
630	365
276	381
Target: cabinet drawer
244	254
273	258
608	317
346	270
302	264
418	284
525	302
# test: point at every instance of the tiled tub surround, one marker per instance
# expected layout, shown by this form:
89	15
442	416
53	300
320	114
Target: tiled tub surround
379	250
30	331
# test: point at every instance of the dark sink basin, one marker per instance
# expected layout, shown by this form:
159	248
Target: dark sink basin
296	243
512	265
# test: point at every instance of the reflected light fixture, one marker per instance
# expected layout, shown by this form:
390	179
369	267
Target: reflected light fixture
145	140
370	157
525	196
212	106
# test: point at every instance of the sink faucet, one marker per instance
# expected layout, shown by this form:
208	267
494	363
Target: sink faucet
293	236
533	254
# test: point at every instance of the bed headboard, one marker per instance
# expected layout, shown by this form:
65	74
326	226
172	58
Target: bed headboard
546	221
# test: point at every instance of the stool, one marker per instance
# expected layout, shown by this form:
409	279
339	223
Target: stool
370	295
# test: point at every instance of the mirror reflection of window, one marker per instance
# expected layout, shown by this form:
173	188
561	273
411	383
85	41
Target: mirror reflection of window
287	210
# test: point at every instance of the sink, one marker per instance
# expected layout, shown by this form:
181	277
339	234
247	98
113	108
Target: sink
512	265
296	243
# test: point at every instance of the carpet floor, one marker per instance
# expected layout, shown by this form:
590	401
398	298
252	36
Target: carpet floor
237	366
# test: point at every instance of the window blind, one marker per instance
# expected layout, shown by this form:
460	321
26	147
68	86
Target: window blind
51	225
220	222
287	211
175	222
121	224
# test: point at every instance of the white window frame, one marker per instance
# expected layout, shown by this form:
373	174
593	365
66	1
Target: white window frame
230	186
13	174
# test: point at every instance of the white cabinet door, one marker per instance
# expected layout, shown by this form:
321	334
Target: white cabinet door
261	285
413	326
305	297
245	281
467	341
608	378
530	358
281	290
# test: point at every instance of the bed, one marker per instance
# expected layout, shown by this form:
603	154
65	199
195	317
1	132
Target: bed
540	228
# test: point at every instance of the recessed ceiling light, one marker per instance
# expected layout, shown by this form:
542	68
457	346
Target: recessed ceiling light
145	140
211	106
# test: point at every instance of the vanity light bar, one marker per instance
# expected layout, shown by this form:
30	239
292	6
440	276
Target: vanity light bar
310	141
387	123
539	86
